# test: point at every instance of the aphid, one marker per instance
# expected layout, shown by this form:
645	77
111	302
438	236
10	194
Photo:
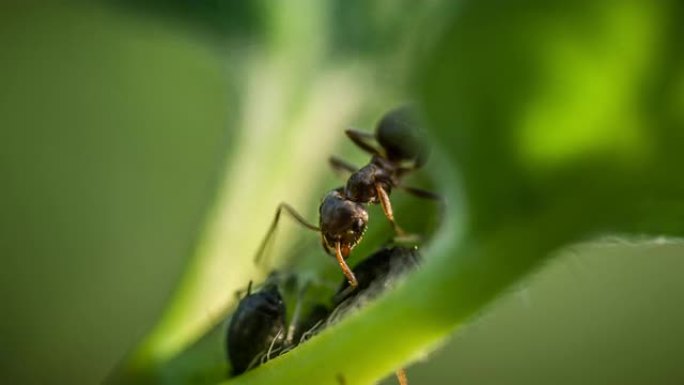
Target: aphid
377	271
375	274
343	216
256	328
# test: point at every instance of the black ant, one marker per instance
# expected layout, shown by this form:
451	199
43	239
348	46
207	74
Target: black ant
374	274
402	150
343	217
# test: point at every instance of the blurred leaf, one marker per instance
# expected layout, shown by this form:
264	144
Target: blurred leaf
236	19
575	94
112	130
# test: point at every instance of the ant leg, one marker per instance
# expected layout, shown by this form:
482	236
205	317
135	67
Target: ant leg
402	171
361	138
401	376
295	316
402	235
387	208
272	347
293	324
294	214
429	195
420	193
339	164
345	268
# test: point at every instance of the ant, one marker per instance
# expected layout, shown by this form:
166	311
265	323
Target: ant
403	149
343	217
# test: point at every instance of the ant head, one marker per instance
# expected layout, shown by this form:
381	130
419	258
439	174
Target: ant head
400	133
342	220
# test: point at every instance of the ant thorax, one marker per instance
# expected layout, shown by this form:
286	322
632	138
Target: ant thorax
361	185
342	220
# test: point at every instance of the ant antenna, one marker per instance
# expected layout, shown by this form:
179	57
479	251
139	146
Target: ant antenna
339	164
361	139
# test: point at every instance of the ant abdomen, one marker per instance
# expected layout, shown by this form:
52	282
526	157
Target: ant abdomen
400	134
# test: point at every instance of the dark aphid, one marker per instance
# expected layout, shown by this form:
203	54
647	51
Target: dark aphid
375	274
258	330
377	270
257	327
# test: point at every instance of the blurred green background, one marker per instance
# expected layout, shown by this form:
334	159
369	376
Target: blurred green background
144	145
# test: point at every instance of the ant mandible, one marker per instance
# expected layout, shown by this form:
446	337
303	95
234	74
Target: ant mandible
343	217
